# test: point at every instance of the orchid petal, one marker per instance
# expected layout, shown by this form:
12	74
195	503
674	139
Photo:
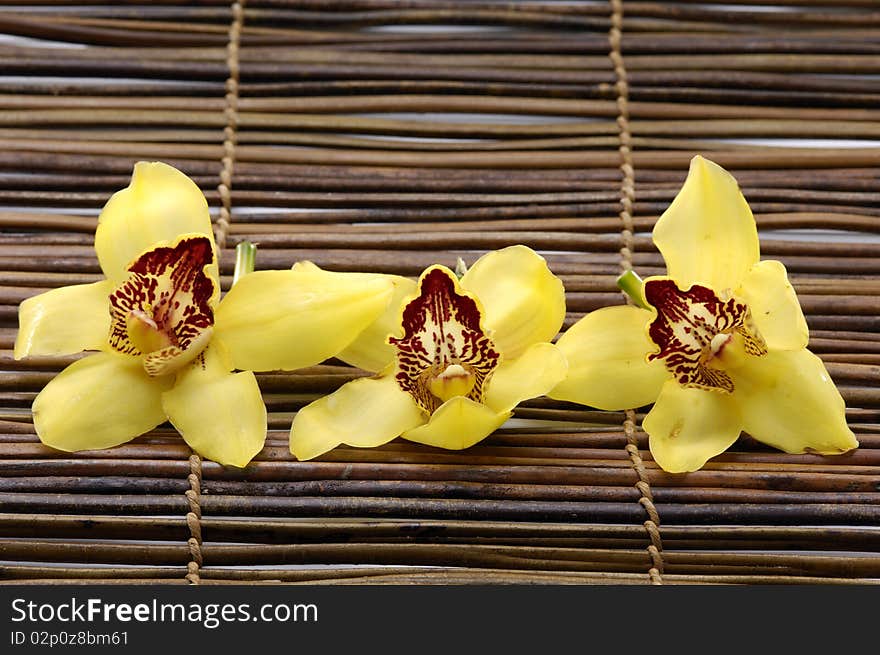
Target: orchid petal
371	350
530	375
97	402
686	326
774	306
164	309
607	366
273	320
708	235
220	415
789	401
64	321
159	205
444	350
687	427
458	423
523	301
365	413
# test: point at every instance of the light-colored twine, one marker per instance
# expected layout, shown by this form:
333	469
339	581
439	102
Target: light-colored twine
627	200
194	519
230	132
221	230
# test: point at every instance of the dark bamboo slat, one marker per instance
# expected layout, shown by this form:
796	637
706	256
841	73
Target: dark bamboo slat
826	191
486	532
863	481
766	157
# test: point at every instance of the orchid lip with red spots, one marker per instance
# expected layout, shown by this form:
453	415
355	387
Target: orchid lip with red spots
444	351
692	330
162	311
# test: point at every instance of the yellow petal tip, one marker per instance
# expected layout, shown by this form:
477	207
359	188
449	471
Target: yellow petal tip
159	204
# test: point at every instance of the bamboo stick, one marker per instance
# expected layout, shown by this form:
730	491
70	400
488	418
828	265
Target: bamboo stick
92	553
749	96
829	190
471	555
366	19
434	531
54	30
817	17
581	475
397	489
98	117
23	574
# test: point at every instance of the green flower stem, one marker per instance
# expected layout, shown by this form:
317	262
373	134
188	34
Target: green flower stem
633	286
245	259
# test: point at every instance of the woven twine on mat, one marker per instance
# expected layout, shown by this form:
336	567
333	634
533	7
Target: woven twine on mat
230	132
194	519
221	229
627	198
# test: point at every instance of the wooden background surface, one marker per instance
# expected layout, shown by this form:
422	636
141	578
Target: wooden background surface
385	135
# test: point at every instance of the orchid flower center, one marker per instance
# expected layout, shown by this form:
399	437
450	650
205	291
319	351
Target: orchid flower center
700	334
456	380
162	311
444	351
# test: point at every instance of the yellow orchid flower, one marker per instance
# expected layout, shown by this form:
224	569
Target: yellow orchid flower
167	344
722	348
461	355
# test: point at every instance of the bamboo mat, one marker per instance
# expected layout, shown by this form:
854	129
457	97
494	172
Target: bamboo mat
382	135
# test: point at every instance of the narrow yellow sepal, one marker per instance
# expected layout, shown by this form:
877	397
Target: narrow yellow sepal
64	321
607	353
370	350
274	320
